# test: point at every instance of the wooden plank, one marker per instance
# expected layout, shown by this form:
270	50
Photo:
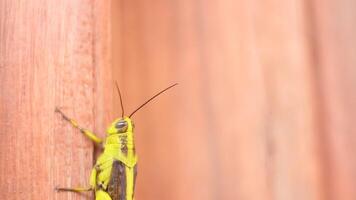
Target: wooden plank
283	50
334	40
47	59
242	123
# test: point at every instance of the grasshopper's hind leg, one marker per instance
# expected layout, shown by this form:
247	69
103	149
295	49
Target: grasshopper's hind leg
86	132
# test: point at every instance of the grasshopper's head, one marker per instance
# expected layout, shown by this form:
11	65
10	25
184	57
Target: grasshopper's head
121	125
125	124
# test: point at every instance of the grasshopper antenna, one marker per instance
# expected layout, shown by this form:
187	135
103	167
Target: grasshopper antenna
122	106
152	98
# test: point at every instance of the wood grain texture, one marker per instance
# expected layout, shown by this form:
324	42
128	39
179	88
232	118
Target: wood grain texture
250	116
335	53
264	108
52	54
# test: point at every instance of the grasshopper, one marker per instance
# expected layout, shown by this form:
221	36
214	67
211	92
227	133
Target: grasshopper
113	176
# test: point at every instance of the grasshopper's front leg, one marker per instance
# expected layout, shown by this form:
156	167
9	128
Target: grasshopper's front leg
76	189
86	132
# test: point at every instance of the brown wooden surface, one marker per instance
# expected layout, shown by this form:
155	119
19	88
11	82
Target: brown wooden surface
264	108
335	55
52	54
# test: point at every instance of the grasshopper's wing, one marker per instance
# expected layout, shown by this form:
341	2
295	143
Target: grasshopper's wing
134	181
117	184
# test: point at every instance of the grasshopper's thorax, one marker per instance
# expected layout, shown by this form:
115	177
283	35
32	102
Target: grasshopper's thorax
120	141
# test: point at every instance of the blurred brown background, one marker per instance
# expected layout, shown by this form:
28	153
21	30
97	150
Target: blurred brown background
264	108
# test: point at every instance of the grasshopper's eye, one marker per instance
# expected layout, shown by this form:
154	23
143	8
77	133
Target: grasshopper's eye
121	126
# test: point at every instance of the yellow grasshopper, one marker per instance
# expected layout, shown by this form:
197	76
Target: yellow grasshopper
114	174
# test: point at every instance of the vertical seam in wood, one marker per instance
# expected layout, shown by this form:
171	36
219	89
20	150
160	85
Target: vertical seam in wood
121	39
213	150
94	80
311	30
